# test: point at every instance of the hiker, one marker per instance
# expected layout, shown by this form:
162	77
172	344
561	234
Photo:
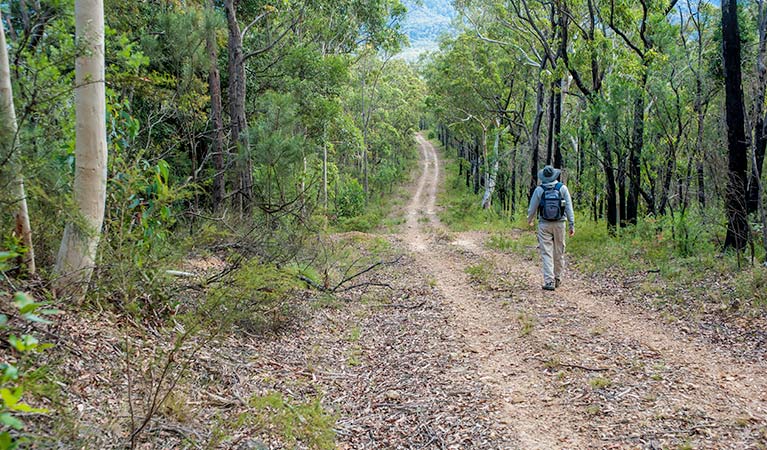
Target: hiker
551	201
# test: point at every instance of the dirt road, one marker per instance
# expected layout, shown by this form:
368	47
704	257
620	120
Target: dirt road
571	369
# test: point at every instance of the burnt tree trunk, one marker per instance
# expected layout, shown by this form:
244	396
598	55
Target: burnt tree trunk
737	224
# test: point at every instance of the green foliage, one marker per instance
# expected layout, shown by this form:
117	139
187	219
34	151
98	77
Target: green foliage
306	422
350	200
18	372
480	273
511	243
527	324
597	383
258	298
461	208
751	285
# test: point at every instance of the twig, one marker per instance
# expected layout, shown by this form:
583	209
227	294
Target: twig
404	306
572	366
349	288
364	271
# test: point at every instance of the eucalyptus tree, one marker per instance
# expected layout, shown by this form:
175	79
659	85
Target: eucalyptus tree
696	38
10	158
77	254
587	64
642	42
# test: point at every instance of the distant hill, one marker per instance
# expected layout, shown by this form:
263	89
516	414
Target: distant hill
424	24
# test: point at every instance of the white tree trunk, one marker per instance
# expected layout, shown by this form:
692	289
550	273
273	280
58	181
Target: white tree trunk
492	173
77	254
8	116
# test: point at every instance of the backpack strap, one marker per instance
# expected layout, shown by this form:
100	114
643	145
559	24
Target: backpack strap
558	186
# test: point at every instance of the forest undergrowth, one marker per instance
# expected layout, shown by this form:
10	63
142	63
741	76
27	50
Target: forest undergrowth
147	360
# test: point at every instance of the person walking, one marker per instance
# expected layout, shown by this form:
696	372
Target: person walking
552	203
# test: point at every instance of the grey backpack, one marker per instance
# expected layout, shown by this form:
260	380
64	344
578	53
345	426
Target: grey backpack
552	204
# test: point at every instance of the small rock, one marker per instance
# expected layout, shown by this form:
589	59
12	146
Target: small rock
393	395
517	399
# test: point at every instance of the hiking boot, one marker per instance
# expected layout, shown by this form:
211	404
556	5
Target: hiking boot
548	286
557	282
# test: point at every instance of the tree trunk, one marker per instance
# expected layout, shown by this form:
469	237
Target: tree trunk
364	139
760	126
550	134
477	167
699	145
513	170
637	143
666	188
559	161
622	192
77	254
238	119
18	195
760	204
610	185
216	117
491	175
737	224
535	138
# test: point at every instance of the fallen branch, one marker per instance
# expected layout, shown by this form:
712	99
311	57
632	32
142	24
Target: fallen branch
401	306
349	288
364	271
339	287
180	273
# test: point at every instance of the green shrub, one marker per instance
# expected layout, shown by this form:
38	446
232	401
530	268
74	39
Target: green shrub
364	223
257	298
462	208
307	422
19	371
350	201
751	286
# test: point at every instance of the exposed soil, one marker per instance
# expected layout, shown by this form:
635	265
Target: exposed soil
573	370
462	350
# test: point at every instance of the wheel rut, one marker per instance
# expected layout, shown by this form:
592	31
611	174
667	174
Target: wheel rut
574	370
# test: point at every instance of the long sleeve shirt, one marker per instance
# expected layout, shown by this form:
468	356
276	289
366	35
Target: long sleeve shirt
535	201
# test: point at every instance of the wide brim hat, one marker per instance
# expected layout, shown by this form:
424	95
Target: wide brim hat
548	174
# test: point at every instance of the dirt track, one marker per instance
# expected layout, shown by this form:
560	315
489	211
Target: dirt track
574	370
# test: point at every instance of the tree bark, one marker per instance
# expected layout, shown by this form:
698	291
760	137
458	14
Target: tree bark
18	194
77	254
610	184
760	126
550	134
216	117
535	138
237	117
701	116
559	161
737	224
491	175
635	155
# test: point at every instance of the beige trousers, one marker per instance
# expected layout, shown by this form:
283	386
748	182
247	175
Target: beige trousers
551	241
